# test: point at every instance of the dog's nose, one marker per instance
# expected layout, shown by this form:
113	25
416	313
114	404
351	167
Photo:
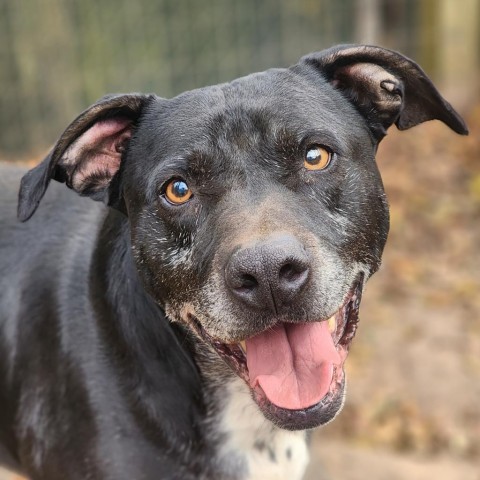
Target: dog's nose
270	273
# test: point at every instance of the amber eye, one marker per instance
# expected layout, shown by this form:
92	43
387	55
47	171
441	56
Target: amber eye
177	192
317	158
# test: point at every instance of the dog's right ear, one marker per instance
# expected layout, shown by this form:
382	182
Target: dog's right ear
88	154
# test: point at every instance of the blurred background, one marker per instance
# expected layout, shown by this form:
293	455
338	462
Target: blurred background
413	408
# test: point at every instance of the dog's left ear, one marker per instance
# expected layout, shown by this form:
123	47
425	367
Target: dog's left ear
88	154
385	87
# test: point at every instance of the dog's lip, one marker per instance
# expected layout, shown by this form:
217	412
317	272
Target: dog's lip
321	413
346	322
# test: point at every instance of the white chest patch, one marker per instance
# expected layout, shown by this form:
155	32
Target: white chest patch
252	444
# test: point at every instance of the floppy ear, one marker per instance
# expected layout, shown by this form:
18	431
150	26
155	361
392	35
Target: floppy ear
385	87
87	156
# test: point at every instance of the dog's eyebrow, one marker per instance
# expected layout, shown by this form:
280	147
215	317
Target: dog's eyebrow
194	165
173	166
290	141
326	138
199	163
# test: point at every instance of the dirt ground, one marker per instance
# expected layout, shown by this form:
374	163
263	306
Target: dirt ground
413	403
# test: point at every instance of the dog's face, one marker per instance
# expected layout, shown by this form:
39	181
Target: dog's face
256	210
256	225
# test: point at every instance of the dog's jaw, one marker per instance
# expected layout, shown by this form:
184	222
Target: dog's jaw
342	327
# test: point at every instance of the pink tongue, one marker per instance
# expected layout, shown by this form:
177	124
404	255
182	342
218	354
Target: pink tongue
293	363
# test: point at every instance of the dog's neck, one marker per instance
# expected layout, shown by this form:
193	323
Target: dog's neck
247	445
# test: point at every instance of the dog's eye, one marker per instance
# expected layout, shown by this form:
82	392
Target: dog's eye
317	158
177	192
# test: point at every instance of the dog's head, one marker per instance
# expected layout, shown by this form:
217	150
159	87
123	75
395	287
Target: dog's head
256	209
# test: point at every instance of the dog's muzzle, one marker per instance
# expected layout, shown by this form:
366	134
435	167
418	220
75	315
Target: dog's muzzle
294	369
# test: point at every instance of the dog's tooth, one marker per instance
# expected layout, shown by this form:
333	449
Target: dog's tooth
332	324
243	346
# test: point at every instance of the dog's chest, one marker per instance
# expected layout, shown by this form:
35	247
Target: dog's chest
251	447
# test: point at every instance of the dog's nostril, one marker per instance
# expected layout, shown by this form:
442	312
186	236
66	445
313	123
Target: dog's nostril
291	272
288	272
248	282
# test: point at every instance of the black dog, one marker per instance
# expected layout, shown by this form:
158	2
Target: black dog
199	326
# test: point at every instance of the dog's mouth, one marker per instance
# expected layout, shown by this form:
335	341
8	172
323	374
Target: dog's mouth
295	370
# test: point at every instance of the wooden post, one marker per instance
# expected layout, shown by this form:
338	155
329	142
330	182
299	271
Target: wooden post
368	23
458	38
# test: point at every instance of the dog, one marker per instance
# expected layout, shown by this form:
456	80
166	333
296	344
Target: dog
193	323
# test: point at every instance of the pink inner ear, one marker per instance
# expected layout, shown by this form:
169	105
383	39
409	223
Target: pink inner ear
95	156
